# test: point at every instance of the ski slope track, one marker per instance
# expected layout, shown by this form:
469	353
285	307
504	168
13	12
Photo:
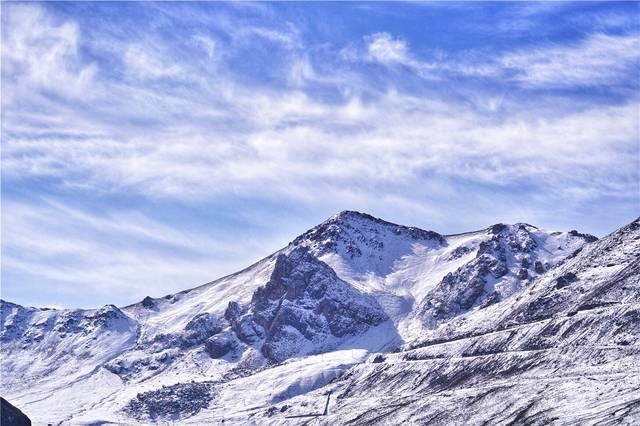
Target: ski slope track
390	324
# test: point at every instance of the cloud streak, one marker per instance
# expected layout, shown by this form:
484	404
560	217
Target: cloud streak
123	255
597	60
259	111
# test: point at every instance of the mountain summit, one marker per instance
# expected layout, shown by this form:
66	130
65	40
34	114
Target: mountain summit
367	309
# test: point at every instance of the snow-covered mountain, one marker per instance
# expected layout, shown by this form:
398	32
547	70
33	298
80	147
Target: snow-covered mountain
387	317
565	350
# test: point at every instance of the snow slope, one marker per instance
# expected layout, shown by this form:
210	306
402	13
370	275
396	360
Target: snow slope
564	351
282	328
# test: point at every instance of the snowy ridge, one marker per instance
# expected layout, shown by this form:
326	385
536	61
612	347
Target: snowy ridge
313	315
508	260
363	244
565	351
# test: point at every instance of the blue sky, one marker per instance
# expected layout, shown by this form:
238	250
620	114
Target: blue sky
151	147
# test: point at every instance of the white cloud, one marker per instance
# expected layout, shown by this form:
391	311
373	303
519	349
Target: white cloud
288	39
386	49
122	254
214	137
143	62
290	141
599	59
224	138
43	52
301	71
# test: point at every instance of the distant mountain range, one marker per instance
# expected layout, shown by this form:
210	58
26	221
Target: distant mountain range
509	324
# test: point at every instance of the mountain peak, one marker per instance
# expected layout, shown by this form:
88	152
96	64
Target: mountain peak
364	243
500	227
350	215
356	233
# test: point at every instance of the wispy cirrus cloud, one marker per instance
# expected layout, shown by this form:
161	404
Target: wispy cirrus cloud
388	50
143	62
384	48
207	43
42	54
599	59
123	255
258	115
269	135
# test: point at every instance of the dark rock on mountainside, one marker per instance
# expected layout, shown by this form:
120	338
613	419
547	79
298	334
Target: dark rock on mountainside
148	303
220	345
304	305
184	399
588	237
510	246
588	280
18	327
565	280
66	324
200	328
342	229
105	317
12	416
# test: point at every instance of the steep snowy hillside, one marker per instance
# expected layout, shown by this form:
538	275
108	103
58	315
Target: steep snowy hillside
53	347
285	326
564	351
504	262
357	245
421	277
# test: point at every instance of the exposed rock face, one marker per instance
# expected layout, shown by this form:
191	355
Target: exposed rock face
303	308
108	316
32	325
353	230
11	416
162	350
587	237
604	273
220	345
148	303
171	401
200	328
502	266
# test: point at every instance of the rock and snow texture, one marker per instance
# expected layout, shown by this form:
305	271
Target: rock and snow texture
566	350
510	323
303	309
510	258
359	245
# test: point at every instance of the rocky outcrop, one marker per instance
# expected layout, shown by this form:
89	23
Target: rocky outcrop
200	328
184	399
303	308
507	261
220	345
365	243
11	416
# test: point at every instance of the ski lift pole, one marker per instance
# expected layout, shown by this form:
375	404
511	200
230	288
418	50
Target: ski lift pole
326	406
